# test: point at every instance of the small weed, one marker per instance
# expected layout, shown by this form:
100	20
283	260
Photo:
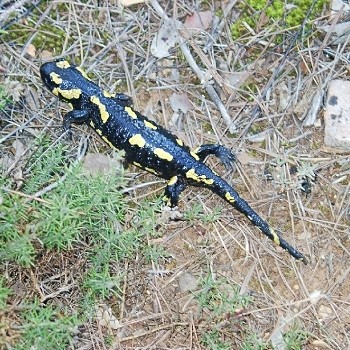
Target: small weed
15	239
220	301
252	342
219	297
45	165
4	294
155	253
4	98
194	212
213	215
212	340
276	13
45	328
295	338
100	284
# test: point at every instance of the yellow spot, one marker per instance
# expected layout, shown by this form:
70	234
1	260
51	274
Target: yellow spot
70	105
276	239
55	78
131	113
83	73
163	154
196	150
67	94
103	111
63	64
229	197
109	143
208	181
99	132
152	171
191	174
137	164
107	94
172	181
179	142
150	125
194	155
92	124
137	140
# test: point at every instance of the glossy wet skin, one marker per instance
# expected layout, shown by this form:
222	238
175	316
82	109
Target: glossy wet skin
146	144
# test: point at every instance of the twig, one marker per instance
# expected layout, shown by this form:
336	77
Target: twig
256	110
201	76
217	31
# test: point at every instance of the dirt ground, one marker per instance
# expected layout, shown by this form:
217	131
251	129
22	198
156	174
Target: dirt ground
284	171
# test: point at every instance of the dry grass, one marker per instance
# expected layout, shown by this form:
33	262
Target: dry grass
154	312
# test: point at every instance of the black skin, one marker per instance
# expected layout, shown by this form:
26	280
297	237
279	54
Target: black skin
121	123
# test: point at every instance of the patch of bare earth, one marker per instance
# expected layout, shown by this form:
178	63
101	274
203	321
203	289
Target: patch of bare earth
273	146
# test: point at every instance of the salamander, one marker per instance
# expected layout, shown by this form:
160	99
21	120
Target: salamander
147	144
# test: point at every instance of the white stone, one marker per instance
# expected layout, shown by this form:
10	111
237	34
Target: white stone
337	115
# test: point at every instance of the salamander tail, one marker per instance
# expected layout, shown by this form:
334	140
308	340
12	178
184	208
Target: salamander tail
232	197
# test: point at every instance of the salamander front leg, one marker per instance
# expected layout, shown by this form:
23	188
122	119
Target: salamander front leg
77	116
172	192
223	153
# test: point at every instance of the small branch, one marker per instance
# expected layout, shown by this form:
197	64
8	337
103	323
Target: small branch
201	76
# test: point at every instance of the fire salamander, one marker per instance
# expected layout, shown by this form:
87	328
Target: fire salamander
146	144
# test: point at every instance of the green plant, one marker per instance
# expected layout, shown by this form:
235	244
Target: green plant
212	340
295	338
4	293
252	342
4	98
45	328
219	297
219	301
276	12
15	236
213	215
193	212
101	284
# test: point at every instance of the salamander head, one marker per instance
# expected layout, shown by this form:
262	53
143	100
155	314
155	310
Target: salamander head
63	79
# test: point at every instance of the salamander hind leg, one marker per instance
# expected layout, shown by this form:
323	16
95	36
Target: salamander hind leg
123	99
223	153
173	190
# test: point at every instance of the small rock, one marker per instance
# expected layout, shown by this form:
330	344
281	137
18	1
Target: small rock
96	164
337	115
320	344
324	312
188	282
31	50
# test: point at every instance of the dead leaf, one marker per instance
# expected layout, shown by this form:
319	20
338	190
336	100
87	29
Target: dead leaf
19	149
31	50
45	54
198	21
14	89
96	163
105	317
165	39
180	102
